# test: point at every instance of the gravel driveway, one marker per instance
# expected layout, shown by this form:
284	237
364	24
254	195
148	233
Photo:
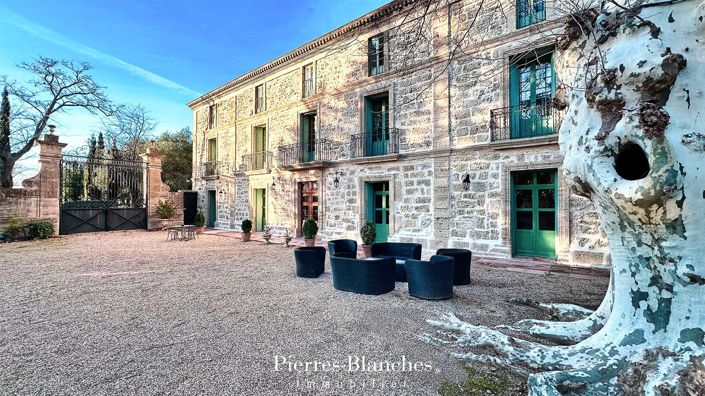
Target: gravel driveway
129	313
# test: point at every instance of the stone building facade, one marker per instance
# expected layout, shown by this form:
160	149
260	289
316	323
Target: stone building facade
373	122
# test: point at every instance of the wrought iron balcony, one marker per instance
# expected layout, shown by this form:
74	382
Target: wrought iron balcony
311	152
375	143
525	121
210	169
259	161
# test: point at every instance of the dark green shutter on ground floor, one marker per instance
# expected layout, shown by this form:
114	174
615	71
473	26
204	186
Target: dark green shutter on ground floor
534	213
211	208
260	209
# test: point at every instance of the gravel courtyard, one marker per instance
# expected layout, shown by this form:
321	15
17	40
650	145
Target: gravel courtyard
129	313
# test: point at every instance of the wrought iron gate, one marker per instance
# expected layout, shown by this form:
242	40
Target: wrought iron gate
102	195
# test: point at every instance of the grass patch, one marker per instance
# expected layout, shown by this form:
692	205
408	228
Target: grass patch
478	383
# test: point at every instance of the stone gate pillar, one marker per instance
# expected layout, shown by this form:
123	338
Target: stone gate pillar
156	190
48	181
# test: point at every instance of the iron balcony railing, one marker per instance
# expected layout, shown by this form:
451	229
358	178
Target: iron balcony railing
210	169
374	143
525	121
319	150
256	161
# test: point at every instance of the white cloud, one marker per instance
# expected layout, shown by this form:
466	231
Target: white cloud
63	41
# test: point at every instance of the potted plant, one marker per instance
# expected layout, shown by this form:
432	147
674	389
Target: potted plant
309	231
287	237
267	235
368	233
165	210
246	230
200	222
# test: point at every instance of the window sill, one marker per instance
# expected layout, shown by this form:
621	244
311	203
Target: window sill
524	142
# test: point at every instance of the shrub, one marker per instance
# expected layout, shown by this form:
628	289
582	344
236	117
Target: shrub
165	210
200	219
368	233
246	225
14	228
310	229
40	228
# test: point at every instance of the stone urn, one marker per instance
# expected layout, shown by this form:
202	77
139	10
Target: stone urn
287	240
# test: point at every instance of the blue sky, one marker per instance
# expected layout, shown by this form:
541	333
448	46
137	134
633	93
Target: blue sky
161	53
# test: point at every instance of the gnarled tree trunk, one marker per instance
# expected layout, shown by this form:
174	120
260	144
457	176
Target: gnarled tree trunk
634	143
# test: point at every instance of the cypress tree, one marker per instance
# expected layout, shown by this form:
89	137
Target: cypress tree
5	149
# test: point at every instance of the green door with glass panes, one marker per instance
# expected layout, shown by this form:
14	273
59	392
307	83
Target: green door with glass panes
308	137
377	125
532	84
378	208
534	213
260	209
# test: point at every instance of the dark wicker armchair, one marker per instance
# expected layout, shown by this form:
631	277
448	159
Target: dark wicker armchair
431	280
461	271
363	276
400	252
310	261
343	248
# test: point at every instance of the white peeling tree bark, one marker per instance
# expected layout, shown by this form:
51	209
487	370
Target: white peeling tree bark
634	143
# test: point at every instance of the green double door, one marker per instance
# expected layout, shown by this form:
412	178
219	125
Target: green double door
532	83
377	125
378	208
534	213
308	137
260	209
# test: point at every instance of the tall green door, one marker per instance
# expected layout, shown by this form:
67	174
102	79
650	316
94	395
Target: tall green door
260	209
211	208
377	125
378	208
534	213
308	137
532	83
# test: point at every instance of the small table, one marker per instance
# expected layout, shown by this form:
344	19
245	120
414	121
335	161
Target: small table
182	233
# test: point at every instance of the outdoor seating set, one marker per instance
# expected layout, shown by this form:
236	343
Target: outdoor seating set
389	263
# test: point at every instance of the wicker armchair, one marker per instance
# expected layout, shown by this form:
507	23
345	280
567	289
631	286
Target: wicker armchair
310	261
461	271
343	248
431	280
400	252
363	276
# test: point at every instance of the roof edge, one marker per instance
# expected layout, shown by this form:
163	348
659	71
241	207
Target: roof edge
357	23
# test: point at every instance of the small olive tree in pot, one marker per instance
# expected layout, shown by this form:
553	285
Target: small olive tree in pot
368	233
246	230
200	222
165	210
309	231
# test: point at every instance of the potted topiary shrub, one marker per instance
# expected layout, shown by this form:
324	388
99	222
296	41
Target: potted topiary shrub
309	231
368	233
165	210
200	222
246	230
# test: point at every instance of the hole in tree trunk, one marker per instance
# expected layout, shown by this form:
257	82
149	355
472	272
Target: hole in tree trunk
631	162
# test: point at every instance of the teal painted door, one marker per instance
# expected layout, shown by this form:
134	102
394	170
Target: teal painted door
531	88
308	137
377	125
211	208
534	213
378	208
260	209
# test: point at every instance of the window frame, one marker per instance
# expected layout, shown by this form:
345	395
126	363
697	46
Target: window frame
379	56
531	16
260	99
212	116
304	93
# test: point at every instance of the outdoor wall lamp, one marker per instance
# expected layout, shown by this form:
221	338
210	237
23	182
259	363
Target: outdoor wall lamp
466	182
274	183
336	181
223	194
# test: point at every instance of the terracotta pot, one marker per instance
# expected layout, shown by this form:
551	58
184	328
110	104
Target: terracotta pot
200	230
366	250
246	236
310	242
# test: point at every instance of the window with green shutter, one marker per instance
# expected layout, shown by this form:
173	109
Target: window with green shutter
530	12
376	59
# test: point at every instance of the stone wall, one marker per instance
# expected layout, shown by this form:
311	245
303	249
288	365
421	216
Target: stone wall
442	113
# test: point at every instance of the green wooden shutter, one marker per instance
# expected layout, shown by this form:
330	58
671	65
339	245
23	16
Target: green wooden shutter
513	111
